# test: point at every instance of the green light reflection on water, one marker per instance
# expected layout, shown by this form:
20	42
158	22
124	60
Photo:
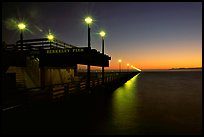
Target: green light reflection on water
124	105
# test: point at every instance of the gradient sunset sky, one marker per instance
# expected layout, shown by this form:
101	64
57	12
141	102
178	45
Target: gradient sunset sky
148	35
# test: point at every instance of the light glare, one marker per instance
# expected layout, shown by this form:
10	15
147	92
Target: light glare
102	33
50	37
136	68
21	26
88	20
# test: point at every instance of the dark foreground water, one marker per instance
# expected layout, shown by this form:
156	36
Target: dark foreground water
149	103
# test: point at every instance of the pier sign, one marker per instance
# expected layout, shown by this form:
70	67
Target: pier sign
70	50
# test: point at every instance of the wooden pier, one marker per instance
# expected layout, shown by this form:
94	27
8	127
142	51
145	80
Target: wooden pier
60	91
41	70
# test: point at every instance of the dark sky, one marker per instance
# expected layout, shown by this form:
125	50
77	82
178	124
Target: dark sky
146	35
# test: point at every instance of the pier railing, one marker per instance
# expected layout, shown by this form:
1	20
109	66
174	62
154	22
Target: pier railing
57	91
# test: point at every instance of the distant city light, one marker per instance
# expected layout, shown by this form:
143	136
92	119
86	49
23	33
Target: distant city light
119	60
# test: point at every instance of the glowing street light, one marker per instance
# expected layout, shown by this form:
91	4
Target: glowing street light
89	20
102	33
50	37
21	27
128	67
119	61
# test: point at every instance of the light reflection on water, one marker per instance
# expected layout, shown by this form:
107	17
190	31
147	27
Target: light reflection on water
156	103
123	109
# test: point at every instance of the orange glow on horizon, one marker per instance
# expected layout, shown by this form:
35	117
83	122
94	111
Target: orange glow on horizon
159	55
158	64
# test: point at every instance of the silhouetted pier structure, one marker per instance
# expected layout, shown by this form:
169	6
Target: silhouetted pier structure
52	53
34	67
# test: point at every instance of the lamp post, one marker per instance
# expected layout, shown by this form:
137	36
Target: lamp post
88	20
21	26
119	61
102	33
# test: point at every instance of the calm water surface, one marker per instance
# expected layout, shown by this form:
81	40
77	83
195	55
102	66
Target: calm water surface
158	103
149	103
